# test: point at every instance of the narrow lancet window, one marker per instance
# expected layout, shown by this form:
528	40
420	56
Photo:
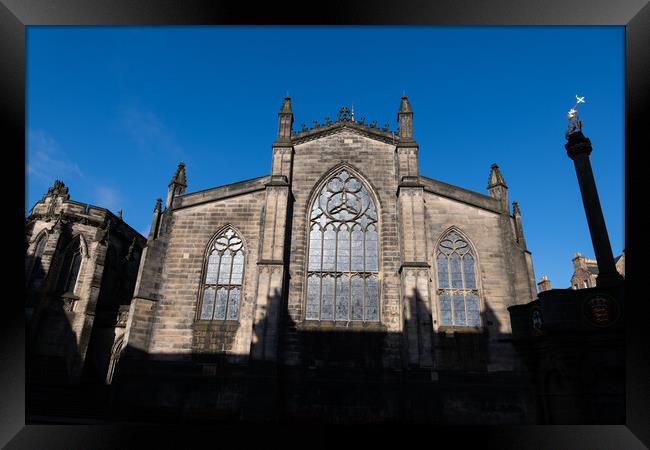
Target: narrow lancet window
69	272
343	264
457	292
224	272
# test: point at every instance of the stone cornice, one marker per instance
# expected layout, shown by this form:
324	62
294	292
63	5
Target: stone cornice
101	216
461	195
117	225
413	265
221	192
278	180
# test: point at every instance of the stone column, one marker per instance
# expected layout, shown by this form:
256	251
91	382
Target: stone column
578	149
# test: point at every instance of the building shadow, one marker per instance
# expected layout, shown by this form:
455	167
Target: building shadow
573	342
363	373
64	382
332	372
52	359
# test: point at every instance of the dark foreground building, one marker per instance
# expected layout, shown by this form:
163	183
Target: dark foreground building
80	269
342	287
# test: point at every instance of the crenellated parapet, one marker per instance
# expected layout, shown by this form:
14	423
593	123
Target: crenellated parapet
345	119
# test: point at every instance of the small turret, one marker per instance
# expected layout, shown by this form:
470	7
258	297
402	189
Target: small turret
177	184
155	220
519	228
285	122
405	120
497	187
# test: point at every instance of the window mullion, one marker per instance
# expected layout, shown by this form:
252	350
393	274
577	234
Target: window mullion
216	286
320	278
232	263
336	267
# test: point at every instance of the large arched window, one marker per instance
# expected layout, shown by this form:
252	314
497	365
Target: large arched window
457	290
222	283
343	267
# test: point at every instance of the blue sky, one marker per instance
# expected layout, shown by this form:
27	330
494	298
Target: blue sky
112	110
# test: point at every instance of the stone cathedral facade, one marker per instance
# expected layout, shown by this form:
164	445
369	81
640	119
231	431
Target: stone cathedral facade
342	286
344	258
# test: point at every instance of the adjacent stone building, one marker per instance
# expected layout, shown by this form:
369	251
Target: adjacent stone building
585	270
343	285
80	269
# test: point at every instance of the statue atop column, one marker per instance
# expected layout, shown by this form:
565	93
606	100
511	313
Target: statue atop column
575	124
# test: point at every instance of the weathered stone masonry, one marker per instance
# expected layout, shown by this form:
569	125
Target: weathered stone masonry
271	215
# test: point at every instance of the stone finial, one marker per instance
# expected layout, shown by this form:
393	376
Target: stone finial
387	126
58	189
158	206
179	176
327	120
119	214
495	178
405	106
577	255
515	209
344	115
286	106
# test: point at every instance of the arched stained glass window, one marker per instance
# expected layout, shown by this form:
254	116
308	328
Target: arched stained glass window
222	284
457	290
343	266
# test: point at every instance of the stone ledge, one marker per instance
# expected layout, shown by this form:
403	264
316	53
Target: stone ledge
330	325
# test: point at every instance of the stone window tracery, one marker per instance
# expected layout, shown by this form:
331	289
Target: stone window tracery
222	283
457	290
343	265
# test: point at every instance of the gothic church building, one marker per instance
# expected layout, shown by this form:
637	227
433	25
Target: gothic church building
342	286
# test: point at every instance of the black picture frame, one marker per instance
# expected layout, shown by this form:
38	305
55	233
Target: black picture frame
15	15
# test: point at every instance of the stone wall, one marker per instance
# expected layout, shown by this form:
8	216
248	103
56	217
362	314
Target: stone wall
61	327
175	328
374	162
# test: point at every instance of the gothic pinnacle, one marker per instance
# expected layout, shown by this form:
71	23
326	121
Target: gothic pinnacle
405	106
495	178
286	106
179	176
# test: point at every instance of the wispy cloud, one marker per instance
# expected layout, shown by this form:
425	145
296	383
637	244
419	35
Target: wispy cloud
108	197
149	133
45	160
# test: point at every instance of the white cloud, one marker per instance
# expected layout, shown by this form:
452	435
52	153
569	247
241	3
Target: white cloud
148	132
108	198
44	159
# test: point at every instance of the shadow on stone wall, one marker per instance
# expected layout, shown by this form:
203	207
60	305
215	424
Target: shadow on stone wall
330	372
357	374
60	382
